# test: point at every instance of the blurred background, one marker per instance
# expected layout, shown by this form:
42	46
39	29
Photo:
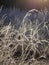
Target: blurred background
15	10
25	4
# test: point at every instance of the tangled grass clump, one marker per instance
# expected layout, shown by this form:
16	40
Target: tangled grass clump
29	45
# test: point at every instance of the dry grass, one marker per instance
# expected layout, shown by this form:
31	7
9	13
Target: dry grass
29	45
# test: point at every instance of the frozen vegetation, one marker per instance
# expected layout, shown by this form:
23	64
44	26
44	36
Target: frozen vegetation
24	41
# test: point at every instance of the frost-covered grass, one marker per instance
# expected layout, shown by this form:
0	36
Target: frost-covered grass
29	43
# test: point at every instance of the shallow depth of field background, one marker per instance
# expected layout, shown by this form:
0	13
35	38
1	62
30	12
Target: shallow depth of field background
24	32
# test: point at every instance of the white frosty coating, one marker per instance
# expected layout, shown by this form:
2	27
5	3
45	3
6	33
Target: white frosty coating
14	41
29	13
23	25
